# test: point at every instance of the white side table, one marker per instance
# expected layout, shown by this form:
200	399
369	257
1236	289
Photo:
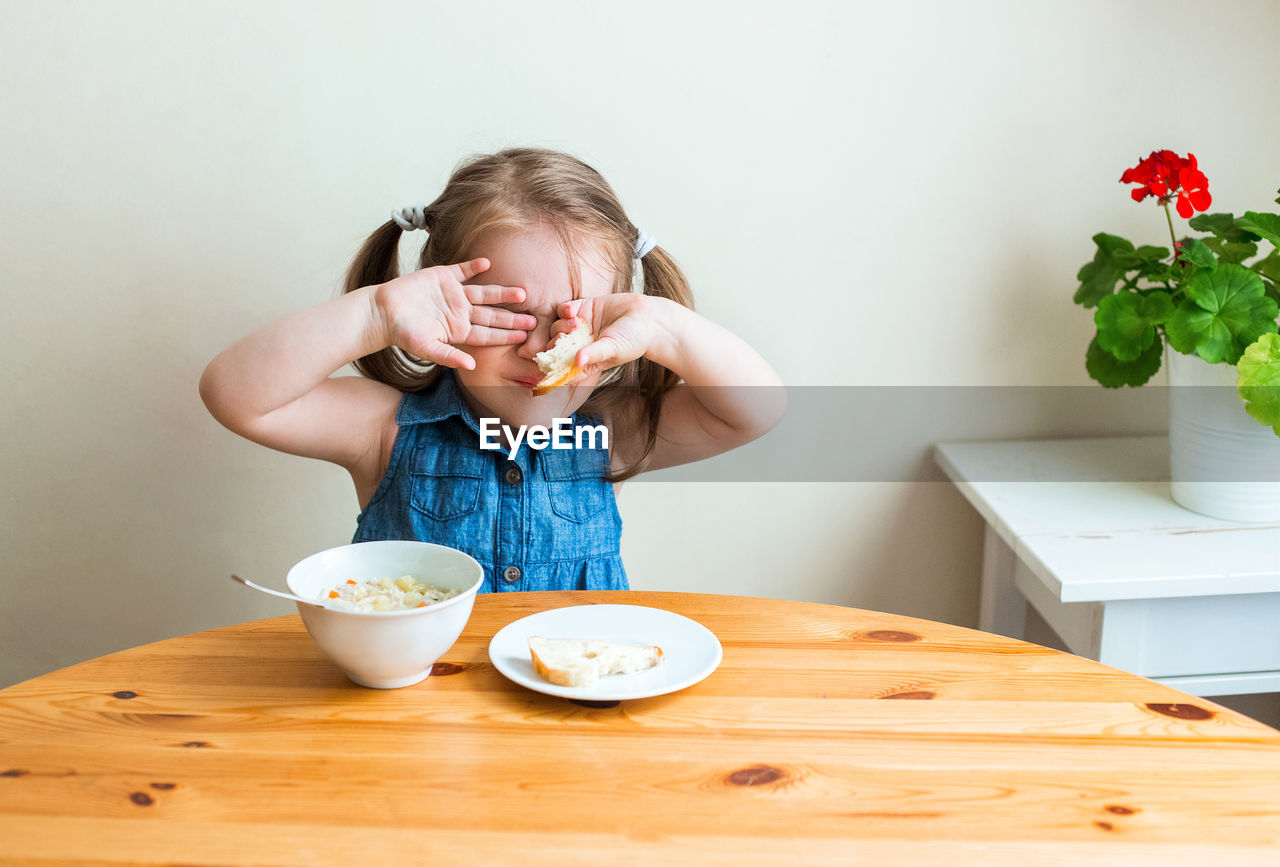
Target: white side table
1085	531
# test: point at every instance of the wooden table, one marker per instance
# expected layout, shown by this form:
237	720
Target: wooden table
827	734
1085	531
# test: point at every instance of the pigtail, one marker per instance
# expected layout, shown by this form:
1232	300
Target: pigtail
377	262
662	279
647	380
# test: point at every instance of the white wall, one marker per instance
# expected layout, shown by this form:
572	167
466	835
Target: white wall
871	193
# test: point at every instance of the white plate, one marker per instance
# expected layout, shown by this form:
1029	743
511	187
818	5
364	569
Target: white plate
690	651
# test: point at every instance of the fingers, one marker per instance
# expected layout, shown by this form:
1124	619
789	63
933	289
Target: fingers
485	294
601	353
570	314
483	335
570	309
449	356
494	317
467	270
562	326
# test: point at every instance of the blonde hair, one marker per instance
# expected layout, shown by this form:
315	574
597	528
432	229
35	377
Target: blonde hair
520	188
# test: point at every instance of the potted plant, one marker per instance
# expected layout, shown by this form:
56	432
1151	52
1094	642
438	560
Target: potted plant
1210	301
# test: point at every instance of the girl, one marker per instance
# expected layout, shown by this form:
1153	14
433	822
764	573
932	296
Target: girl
521	245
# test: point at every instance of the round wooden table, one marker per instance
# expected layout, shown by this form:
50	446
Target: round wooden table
827	734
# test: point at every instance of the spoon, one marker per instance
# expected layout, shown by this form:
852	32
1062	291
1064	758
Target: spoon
283	595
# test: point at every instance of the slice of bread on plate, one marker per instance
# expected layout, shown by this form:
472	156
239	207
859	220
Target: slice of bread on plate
582	661
556	363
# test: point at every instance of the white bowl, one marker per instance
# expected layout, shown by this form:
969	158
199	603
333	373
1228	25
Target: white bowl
386	649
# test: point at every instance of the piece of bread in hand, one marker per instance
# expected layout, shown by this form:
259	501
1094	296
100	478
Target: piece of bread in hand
556	363
582	661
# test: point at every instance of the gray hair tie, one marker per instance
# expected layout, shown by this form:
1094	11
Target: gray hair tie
644	243
413	217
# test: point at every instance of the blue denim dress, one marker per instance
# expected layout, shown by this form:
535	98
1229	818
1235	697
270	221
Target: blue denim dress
546	520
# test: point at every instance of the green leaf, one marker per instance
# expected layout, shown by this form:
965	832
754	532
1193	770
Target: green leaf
1259	381
1270	266
1232	252
1264	225
1113	245
1223	226
1196	253
1225	310
1113	373
1152	262
1127	322
1098	278
1188	325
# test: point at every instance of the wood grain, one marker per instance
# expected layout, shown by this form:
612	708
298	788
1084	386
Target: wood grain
827	734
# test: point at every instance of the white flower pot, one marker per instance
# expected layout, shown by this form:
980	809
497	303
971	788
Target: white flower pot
1222	462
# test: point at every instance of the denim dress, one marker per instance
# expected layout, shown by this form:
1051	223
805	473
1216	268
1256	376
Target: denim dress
546	520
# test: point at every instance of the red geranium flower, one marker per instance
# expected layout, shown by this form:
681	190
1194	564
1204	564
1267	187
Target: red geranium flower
1194	195
1166	175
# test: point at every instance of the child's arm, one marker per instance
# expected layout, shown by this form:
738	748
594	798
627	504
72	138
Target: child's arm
274	386
730	395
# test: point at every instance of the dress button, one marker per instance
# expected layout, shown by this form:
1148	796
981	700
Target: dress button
511	574
514	476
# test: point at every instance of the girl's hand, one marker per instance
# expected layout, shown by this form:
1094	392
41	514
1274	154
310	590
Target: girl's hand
426	311
624	326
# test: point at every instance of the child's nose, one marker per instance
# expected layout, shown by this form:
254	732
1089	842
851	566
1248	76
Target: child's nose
539	337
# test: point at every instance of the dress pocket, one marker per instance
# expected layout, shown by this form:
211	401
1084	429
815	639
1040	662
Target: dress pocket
576	488
445	480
